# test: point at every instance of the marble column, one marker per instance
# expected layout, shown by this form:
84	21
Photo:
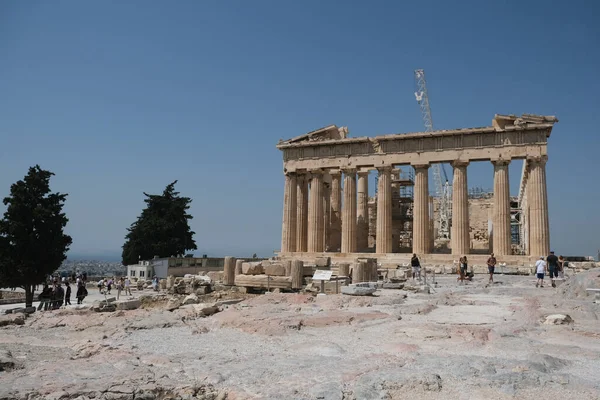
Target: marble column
335	214
501	209
421	210
460	236
315	213
537	197
290	209
383	242
349	212
362	223
302	213
326	215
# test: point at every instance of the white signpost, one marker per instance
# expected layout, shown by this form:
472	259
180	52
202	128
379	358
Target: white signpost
322	275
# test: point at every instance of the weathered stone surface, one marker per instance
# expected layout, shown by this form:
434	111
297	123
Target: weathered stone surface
275	270
558	319
355	290
252	268
215	276
12	319
190	299
173	304
8	362
201	290
128	304
323	261
393	285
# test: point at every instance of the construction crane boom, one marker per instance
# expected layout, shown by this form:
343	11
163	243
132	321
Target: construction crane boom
442	190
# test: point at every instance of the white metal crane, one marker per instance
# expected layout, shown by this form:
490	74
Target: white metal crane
442	190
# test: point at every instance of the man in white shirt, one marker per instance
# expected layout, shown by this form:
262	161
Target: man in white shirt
540	269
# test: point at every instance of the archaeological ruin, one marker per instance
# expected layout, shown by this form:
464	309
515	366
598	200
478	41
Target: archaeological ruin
328	211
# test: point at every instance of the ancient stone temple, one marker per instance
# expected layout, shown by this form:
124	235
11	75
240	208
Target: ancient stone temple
326	196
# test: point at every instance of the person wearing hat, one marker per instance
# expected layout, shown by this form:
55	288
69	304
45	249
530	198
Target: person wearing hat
552	261
540	269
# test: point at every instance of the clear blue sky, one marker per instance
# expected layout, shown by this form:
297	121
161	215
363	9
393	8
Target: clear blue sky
118	98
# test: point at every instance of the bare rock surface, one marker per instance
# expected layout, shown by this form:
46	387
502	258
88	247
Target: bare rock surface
457	342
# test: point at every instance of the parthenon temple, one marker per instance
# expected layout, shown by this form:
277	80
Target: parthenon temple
327	208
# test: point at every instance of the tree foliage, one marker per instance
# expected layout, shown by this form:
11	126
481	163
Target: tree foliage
162	229
32	242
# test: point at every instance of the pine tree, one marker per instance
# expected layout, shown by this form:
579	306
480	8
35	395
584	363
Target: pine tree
161	230
32	242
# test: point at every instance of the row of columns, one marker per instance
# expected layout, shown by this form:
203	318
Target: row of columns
325	223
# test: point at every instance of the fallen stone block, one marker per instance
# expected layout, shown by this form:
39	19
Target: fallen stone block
202	290
275	270
215	276
99	307
392	285
355	290
129	304
323	262
173	304
190	299
12	319
252	268
8	362
558	319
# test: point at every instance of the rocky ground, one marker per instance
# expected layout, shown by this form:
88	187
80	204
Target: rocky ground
459	342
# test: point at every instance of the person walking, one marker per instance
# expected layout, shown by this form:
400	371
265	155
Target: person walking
540	269
552	262
119	285
491	263
100	284
67	293
127	286
416	267
462	269
561	267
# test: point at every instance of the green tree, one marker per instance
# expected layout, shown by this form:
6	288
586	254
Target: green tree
32	242
161	230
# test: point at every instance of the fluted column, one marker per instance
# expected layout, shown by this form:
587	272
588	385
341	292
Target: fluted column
302	214
315	213
421	210
383	242
362	214
501	211
335	214
460	237
349	212
288	231
326	215
537	197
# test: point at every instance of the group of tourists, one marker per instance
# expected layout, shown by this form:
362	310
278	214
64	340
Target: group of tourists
105	285
553	266
54	295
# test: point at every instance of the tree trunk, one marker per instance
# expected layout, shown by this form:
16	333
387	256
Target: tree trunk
28	295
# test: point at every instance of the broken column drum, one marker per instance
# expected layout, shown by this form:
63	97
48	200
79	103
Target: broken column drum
297	273
229	271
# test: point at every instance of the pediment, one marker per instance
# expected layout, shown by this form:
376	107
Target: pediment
331	132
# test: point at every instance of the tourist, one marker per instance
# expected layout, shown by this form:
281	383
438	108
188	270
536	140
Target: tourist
462	269
109	285
81	291
119	285
127	286
552	262
491	263
416	267
561	267
67	293
155	283
540	268
59	295
100	285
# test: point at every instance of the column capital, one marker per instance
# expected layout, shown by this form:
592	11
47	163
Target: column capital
290	173
537	159
363	173
335	172
460	163
384	168
420	166
348	170
316	171
500	161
